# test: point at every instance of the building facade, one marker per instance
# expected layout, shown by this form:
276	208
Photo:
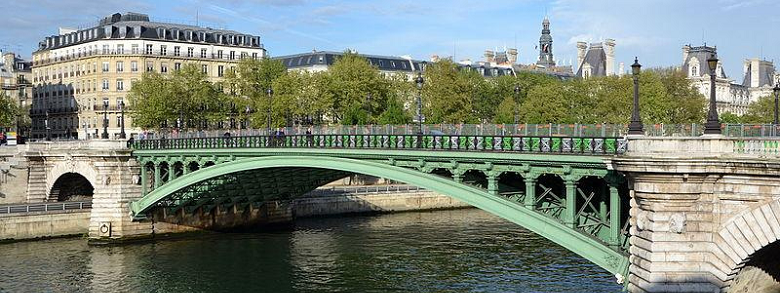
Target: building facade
731	97
16	84
546	59
81	76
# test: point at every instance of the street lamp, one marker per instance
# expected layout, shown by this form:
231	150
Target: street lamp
122	120
270	93
776	89
636	127
368	101
517	98
713	125
105	120
419	81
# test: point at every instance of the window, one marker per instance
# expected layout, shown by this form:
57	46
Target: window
105	49
694	71
254	55
244	55
164	67
105	66
149	66
189	51
219	54
134	49
120	85
177	66
202	53
232	55
205	69
105	84
148	49
163	50
176	50
120	66
220	70
134	66
120	49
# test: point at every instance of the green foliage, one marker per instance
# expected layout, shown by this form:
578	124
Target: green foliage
353	91
448	94
8	111
394	114
761	111
506	112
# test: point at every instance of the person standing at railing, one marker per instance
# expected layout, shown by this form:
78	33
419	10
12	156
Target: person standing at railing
309	137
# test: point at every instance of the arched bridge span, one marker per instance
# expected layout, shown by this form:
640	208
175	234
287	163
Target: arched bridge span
572	200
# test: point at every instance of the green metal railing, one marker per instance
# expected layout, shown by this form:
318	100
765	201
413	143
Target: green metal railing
496	143
540	130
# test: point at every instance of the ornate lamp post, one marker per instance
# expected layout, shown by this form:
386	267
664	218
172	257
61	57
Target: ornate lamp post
517	97
776	90
270	93
636	127
122	120
104	135
713	125
419	81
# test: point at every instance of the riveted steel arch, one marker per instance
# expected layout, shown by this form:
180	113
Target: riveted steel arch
589	248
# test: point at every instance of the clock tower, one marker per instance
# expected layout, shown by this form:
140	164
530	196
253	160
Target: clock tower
545	46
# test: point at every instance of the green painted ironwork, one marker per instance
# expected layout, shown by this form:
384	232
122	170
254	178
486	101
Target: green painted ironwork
577	203
232	178
570	145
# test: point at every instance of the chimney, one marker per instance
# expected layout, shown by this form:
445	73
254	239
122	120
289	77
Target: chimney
622	69
512	55
609	50
686	50
434	58
581	49
489	56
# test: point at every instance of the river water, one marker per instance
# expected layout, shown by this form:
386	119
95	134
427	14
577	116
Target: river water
443	251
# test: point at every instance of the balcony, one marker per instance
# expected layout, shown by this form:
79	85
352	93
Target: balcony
169	54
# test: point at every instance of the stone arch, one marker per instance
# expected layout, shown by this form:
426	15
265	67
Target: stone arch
70	187
59	169
582	244
745	238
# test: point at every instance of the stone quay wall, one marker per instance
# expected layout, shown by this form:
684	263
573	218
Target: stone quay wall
44	225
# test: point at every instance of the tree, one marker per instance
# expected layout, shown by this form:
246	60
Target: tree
355	83
761	111
506	111
8	111
250	81
186	94
448	94
394	113
545	104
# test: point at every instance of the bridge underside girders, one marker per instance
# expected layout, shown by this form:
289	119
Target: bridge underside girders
248	187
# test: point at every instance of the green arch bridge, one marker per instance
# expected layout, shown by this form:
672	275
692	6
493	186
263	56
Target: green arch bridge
558	187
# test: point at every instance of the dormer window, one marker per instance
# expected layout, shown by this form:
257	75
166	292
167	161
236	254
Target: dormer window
694	71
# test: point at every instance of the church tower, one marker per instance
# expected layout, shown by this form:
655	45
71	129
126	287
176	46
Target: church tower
545	46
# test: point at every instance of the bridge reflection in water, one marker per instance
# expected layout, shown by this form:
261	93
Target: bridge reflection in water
454	251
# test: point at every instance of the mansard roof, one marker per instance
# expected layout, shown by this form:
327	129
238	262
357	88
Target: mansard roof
383	63
701	54
597	59
138	26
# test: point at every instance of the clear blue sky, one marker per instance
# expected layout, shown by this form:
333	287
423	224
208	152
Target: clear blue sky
653	30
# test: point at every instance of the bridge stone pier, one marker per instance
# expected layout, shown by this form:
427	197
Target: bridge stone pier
705	213
106	167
